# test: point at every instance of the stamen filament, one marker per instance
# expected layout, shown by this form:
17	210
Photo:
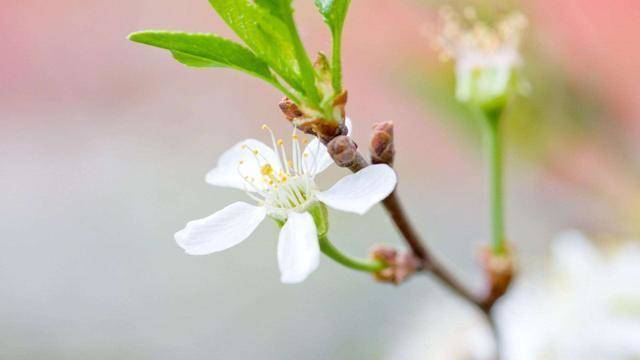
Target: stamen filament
273	142
255	154
246	178
284	156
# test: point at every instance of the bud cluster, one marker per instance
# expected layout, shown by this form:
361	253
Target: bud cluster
312	123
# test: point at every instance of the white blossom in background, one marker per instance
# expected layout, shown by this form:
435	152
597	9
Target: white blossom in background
588	308
585	305
485	57
283	187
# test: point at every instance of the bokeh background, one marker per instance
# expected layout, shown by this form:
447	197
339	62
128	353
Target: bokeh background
104	145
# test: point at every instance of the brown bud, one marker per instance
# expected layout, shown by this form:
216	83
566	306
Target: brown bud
325	130
499	270
289	109
309	122
400	265
381	144
384	253
343	150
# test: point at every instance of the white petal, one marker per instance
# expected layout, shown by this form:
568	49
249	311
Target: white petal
360	191
229	172
298	249
319	159
574	255
222	230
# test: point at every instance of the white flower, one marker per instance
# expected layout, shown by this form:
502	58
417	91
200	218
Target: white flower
485	57
284	188
584	305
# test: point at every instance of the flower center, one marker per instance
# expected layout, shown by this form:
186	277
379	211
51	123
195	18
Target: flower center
283	184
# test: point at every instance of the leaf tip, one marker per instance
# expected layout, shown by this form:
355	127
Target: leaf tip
134	36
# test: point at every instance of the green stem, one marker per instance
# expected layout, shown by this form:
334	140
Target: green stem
353	263
306	67
496	192
336	61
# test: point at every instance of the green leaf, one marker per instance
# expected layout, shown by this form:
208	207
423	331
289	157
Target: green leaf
334	13
278	8
193	61
262	29
205	50
282	10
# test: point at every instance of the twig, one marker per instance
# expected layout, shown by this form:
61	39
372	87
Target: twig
429	263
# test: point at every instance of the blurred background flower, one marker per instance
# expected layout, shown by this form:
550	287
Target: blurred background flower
101	144
583	305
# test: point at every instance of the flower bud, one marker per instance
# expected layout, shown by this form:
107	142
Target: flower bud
499	270
343	150
381	144
486	86
289	109
486	58
311	122
400	265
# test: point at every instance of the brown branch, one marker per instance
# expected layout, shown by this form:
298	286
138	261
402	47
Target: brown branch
429	264
344	152
395	210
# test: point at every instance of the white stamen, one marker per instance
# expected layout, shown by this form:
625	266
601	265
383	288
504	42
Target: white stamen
286	185
315	160
466	36
284	156
273	141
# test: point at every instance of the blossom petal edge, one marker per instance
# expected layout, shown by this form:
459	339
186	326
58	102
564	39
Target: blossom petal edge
358	192
223	229
298	248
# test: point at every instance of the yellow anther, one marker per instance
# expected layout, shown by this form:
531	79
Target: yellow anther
266	170
295	137
264	127
305	154
290	163
255	152
305	141
280	142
